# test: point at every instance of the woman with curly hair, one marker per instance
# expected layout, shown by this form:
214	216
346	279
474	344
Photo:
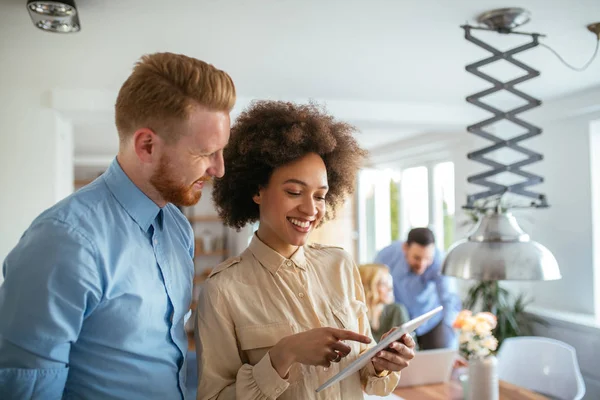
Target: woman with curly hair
284	317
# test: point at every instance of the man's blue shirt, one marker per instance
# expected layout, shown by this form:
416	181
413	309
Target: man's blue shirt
421	293
94	298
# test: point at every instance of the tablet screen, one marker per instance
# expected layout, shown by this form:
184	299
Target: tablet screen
366	357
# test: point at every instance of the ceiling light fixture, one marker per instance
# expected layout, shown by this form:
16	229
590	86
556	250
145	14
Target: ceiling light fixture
504	20
497	248
54	16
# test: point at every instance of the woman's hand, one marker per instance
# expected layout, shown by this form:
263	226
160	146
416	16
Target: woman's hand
397	356
319	346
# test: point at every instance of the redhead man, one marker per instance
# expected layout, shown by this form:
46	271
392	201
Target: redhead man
96	290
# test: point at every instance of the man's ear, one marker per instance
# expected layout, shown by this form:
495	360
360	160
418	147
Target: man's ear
404	247
145	144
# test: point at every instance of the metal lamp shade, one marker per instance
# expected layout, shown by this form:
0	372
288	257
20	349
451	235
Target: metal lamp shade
498	249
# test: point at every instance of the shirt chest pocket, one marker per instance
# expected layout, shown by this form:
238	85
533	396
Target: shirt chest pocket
347	315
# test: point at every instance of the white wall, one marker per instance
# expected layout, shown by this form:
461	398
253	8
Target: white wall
595	177
36	154
565	228
64	152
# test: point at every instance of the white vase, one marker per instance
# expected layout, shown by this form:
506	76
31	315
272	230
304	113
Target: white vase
483	379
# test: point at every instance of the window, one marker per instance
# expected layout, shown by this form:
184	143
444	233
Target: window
428	200
414	189
395	209
373	206
392	202
443	177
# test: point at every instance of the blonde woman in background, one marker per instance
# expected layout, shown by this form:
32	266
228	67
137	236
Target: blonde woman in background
383	312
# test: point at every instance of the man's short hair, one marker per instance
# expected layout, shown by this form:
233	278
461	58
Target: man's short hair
163	89
420	236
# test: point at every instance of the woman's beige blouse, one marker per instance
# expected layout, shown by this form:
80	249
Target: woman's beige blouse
252	301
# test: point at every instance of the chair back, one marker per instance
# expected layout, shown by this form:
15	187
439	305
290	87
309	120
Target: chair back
545	365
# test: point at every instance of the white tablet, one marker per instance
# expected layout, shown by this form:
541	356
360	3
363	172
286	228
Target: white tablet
366	357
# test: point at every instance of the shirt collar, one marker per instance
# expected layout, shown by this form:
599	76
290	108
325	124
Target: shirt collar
139	206
272	260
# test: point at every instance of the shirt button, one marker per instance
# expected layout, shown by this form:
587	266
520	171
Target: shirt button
301	295
288	263
277	390
155	241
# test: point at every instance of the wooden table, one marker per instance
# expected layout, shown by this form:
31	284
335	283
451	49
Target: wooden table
452	390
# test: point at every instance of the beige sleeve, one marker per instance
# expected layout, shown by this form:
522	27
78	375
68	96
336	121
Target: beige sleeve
222	375
371	382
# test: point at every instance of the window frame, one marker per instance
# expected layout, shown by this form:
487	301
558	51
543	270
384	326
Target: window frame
383	231
436	217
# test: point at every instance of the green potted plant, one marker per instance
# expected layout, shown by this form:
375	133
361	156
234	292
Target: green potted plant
512	320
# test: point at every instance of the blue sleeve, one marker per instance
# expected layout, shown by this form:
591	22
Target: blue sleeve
51	284
384	256
378	258
446	290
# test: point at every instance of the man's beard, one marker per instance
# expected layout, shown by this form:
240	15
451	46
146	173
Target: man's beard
171	190
416	270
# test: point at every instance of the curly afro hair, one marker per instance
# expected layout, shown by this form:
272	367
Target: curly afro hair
269	134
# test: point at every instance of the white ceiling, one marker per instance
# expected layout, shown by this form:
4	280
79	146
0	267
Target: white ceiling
391	55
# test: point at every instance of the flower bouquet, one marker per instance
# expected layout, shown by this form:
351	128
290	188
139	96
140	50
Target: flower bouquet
477	344
476	339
